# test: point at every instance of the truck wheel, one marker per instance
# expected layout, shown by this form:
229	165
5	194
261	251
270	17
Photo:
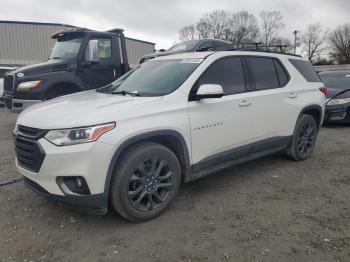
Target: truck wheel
304	138
146	180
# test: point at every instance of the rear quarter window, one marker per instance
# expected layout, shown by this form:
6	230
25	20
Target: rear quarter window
306	70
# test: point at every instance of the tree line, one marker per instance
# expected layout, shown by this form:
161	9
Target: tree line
321	46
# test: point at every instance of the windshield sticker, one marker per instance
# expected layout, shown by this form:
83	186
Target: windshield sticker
191	60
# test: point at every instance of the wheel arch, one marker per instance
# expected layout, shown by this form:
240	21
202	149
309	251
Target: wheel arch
168	138
315	111
72	87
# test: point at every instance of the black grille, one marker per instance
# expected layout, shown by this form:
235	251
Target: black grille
29	154
8	84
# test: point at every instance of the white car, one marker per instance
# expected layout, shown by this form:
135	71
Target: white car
170	120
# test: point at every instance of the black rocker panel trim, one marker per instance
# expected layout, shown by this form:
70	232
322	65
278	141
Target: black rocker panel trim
242	152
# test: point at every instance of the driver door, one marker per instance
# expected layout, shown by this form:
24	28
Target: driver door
97	68
221	127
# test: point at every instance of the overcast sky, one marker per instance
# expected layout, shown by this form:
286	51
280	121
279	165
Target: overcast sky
159	21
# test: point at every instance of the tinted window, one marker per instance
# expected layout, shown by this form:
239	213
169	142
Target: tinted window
227	72
281	73
206	46
220	46
264	73
306	69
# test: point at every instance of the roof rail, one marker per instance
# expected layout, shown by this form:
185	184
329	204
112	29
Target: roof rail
258	47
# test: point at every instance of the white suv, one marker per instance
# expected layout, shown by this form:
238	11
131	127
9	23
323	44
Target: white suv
170	120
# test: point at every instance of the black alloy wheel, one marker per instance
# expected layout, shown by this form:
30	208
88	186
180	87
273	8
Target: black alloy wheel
146	179
150	184
306	138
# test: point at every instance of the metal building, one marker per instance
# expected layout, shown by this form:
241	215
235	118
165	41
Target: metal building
23	43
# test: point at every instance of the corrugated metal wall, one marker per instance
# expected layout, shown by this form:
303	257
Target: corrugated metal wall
136	50
25	43
22	44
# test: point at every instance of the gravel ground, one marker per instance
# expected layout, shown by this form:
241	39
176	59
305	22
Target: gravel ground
268	210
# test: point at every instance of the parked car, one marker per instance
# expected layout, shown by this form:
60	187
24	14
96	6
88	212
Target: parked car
3	70
175	118
338	106
193	46
81	59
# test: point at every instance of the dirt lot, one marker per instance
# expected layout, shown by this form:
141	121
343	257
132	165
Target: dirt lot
269	210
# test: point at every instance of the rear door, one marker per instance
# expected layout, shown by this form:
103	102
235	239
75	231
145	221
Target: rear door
220	125
272	101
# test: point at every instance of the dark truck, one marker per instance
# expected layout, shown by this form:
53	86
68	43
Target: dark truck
81	59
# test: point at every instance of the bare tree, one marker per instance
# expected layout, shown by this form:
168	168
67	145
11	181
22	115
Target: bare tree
340	44
217	22
242	28
203	29
239	27
188	33
271	22
313	40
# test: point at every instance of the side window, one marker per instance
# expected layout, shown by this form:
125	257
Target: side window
306	70
264	72
205	46
220	46
281	73
227	72
98	48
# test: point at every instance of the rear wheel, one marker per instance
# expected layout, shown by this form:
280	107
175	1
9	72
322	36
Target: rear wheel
146	180
304	138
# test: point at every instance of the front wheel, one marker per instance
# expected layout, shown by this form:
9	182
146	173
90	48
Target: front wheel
146	180
304	138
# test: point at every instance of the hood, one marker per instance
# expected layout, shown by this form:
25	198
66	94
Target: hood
44	67
333	91
84	109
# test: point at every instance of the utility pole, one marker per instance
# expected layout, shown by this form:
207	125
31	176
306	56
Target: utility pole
295	41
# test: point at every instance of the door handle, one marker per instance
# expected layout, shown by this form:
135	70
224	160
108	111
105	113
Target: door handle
292	95
245	103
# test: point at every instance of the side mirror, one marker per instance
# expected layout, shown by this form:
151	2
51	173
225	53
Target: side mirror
209	91
91	53
161	50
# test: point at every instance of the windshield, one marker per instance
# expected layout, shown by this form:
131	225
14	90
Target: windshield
66	48
336	80
184	46
154	78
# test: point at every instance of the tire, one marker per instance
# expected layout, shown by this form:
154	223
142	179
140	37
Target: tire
146	180
304	138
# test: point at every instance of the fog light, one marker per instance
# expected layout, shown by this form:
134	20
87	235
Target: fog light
75	185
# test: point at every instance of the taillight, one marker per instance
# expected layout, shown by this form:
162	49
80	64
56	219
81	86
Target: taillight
324	90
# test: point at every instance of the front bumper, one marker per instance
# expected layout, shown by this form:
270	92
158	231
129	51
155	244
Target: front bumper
337	113
94	205
89	160
18	105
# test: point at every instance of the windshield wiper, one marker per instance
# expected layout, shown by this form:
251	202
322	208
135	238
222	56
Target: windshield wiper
124	93
56	57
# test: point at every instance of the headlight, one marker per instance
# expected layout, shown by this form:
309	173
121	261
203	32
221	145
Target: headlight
74	136
28	85
339	101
